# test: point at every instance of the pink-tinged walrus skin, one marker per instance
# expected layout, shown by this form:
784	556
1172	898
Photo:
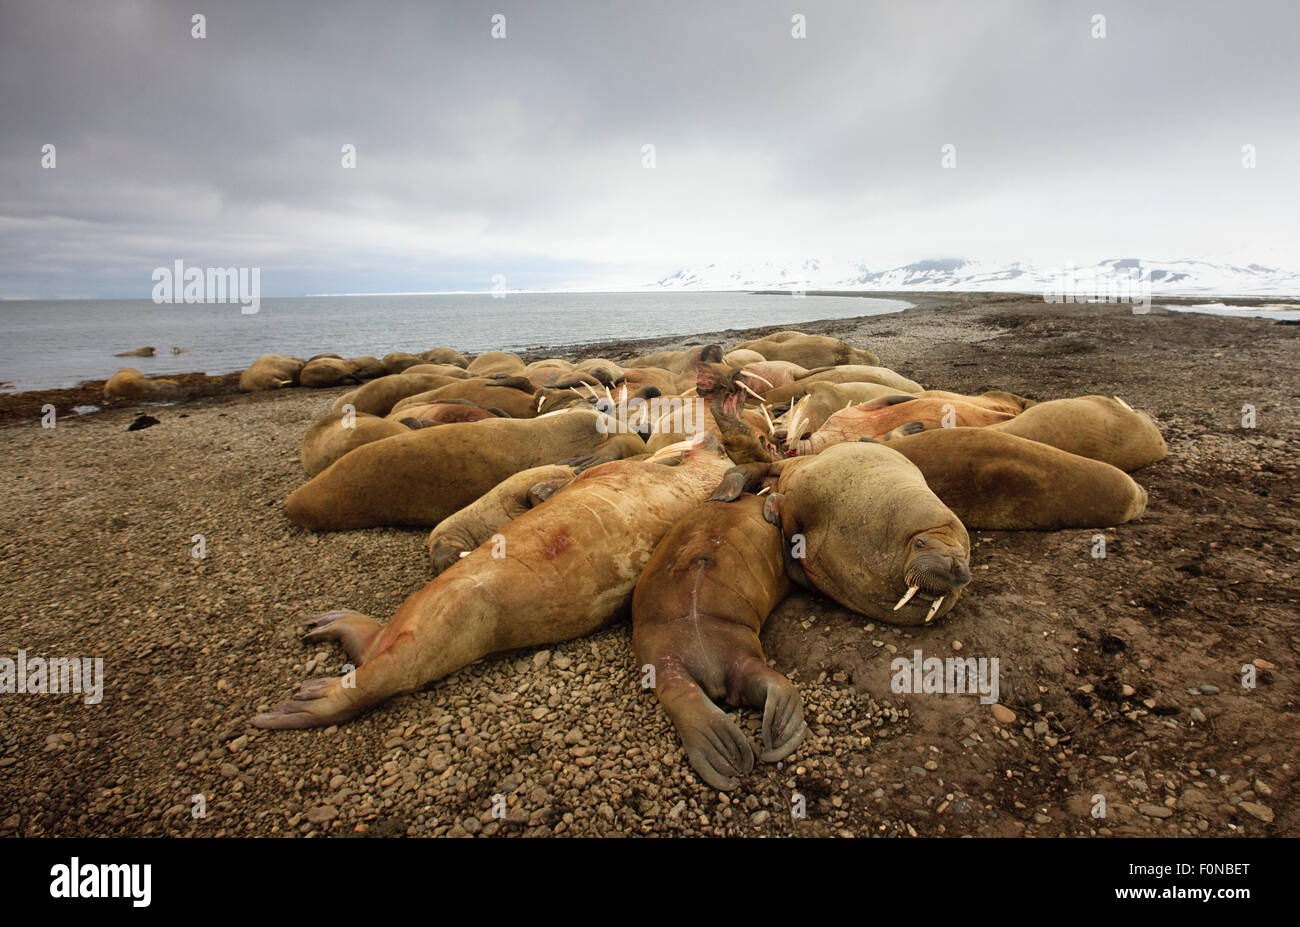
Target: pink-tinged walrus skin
696	614
569	567
879	417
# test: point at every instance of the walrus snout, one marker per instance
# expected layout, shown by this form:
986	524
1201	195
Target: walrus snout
938	573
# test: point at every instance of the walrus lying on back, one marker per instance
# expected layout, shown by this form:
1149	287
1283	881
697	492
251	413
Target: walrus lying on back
696	614
999	482
418	479
566	568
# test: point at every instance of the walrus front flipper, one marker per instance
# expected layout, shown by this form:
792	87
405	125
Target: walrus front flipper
783	725
738	480
616	448
717	748
317	703
353	630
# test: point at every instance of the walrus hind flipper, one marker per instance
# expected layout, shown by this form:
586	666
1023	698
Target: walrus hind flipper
717	748
317	703
353	630
783	725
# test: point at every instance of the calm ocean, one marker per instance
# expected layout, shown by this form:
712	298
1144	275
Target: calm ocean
47	345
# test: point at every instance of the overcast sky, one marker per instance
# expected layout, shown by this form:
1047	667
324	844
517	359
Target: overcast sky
523	155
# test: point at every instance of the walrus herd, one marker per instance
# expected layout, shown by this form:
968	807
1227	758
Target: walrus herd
690	489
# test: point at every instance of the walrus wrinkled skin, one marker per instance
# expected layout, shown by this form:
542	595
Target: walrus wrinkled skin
882	416
809	350
379	396
461	532
334	435
1100	427
696	613
569	566
271	371
130	383
999	482
418	479
874	534
856	373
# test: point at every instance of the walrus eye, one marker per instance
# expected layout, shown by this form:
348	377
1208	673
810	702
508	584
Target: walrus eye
919	543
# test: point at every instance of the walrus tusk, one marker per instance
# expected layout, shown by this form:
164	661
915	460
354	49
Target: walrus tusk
746	373
750	391
1124	404
540	400
464	553
934	607
671	449
911	591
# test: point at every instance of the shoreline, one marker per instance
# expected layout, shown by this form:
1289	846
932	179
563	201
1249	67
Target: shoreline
25	406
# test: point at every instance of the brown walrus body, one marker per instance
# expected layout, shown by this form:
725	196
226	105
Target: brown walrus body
696	614
881	416
462	531
439	413
872	532
996	481
271	371
130	383
1100	427
567	567
420	478
379	396
399	361
493	362
856	373
334	435
322	372
513	395
444	356
809	350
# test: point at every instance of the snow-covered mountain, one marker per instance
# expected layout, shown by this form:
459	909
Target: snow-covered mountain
1169	278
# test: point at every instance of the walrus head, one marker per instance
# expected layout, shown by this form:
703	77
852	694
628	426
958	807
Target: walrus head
724	388
937	568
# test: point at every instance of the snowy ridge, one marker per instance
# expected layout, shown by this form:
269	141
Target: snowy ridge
1170	278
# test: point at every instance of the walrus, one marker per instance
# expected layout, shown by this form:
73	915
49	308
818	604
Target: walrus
870	532
822	401
566	568
462	531
513	395
809	350
398	361
605	371
140	352
129	383
271	371
420	478
741	357
882	416
428	414
994	481
447	370
491	362
379	396
696	613
1100	427
768	375
444	356
855	373
322	372
333	436
684	361
367	368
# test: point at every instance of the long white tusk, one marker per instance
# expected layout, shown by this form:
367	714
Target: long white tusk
907	597
747	373
1124	404
750	391
540	400
934	607
464	554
